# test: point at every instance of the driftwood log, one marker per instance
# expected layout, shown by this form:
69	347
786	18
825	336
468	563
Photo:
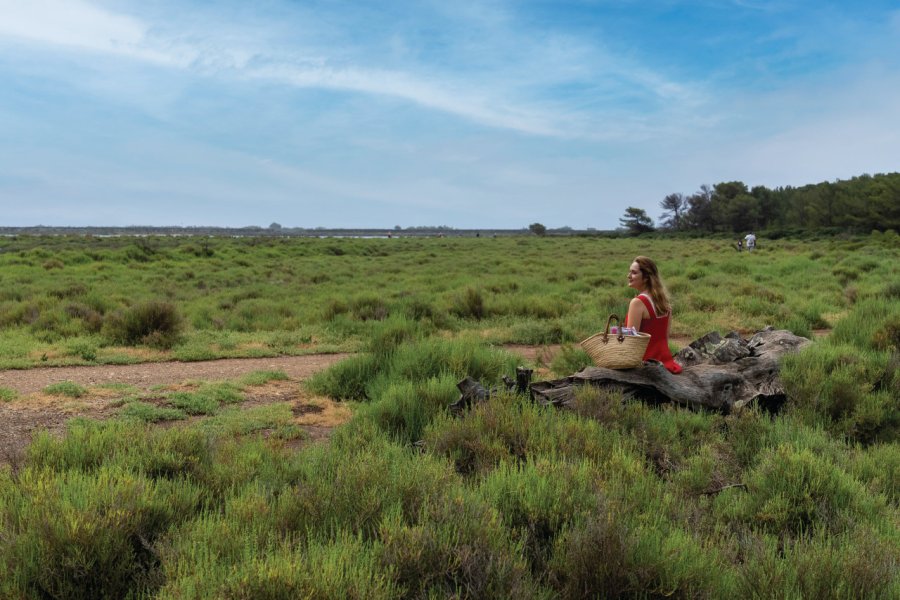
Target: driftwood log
720	373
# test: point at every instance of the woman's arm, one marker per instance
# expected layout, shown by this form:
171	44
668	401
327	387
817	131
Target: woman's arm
636	313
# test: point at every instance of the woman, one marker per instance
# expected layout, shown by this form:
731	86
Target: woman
650	311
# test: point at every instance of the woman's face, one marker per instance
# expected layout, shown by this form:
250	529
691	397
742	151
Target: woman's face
635	277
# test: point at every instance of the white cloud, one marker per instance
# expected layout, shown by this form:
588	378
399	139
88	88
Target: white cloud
76	24
505	96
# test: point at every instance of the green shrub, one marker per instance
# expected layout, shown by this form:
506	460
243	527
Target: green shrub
838	385
887	335
871	321
150	413
352	487
348	379
456	548
155	324
369	308
89	445
193	403
466	443
612	555
539	499
80	535
795	492
65	388
7	395
468	305
570	359
390	334
590	559
508	428
878	467
418	309
404	409
856	565
91	318
344	567
84	349
366	376
539	332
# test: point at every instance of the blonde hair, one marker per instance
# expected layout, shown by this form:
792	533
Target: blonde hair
655	287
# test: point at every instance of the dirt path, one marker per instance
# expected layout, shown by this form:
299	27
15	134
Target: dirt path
35	410
148	375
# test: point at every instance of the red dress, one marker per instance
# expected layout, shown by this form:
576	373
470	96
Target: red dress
658	328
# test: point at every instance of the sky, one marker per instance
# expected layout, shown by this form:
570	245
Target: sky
461	113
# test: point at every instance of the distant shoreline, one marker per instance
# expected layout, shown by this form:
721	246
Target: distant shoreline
137	231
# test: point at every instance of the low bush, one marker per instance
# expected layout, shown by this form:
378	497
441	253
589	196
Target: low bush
348	379
366	376
150	413
404	409
7	395
540	498
457	547
540	332
369	308
84	349
570	359
193	403
363	474
510	428
846	388
795	492
65	388
609	556
468	305
344	567
88	445
878	468
860	564
87	535
155	324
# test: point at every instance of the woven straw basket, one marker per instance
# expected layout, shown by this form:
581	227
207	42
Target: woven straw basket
617	351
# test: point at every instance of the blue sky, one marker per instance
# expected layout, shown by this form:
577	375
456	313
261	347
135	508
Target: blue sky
487	113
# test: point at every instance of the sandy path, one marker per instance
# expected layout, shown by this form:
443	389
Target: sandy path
147	375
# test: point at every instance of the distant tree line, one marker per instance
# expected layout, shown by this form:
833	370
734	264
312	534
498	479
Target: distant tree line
863	203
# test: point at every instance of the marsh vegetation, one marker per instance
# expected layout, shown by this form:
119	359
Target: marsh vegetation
612	499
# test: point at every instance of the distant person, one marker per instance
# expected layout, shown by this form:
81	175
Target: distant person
650	311
751	241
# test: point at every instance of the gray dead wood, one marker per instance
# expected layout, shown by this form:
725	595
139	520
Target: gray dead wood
719	374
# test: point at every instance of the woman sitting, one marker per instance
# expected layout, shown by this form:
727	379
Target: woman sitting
650	311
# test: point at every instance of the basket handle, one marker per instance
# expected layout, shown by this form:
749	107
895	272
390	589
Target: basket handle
619	335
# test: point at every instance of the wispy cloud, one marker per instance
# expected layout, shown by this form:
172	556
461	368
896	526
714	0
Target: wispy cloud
518	94
410	108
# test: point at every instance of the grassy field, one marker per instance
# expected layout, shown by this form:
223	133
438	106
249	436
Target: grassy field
116	300
613	499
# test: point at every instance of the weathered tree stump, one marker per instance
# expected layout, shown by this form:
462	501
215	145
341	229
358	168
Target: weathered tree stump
719	374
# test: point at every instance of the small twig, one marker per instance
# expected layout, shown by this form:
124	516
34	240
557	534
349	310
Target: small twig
725	487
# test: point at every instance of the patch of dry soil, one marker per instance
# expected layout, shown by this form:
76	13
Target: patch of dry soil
34	411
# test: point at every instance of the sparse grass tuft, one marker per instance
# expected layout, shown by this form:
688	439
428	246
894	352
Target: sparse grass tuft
258	378
150	413
65	388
